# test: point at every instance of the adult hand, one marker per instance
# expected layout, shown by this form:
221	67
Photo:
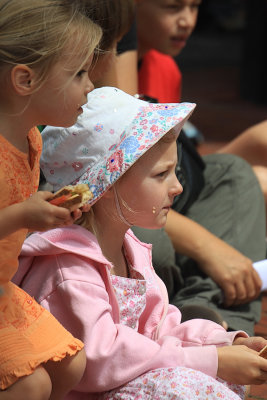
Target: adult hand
232	271
241	365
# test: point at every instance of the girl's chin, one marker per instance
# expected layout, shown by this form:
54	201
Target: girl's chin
160	223
157	225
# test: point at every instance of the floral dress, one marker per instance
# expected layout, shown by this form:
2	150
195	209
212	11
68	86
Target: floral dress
178	383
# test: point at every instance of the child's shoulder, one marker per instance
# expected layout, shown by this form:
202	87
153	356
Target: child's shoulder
72	239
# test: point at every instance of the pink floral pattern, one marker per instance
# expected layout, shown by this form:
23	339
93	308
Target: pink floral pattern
131	296
178	383
115	162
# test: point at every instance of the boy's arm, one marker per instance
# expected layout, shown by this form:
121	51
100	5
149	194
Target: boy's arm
229	268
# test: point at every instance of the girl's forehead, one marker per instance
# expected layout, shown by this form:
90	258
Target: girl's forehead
157	151
78	50
73	63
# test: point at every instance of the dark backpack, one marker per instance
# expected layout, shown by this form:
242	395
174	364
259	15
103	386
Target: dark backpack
189	172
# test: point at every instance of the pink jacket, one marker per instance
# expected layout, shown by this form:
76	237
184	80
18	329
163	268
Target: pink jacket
65	270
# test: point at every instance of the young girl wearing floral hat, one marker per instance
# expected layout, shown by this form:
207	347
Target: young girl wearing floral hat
97	278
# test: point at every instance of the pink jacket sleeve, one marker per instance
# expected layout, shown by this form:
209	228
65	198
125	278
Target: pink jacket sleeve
116	353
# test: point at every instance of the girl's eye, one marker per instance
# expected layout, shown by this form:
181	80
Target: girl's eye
162	174
81	72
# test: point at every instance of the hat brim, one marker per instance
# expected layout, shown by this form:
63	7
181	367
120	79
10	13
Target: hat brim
157	120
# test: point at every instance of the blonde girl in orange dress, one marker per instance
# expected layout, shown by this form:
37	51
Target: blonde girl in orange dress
46	49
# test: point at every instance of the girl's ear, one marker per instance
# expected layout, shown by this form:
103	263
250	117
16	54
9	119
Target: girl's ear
22	79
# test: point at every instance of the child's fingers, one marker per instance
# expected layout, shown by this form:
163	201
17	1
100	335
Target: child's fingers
258	373
85	208
263	352
60	222
64	216
44	194
60	216
262	376
255	343
76	214
263	367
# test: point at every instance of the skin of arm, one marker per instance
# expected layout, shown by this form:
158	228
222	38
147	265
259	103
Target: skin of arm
252	146
230	269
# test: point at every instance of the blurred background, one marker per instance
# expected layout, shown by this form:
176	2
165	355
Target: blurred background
224	67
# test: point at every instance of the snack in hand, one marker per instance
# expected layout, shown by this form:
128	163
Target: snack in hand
263	352
72	197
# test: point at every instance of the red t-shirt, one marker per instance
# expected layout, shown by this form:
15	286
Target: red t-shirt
160	77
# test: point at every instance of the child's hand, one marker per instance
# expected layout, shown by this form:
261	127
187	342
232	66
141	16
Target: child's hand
85	208
256	343
39	214
241	365
78	212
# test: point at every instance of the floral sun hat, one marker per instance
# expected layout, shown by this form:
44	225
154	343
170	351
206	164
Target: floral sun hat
114	130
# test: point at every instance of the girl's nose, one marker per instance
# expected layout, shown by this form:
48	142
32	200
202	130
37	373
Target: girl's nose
89	86
176	188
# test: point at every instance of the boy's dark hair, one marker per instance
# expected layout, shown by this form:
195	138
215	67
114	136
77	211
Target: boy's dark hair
114	16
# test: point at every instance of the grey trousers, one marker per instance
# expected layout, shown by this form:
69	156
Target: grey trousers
231	206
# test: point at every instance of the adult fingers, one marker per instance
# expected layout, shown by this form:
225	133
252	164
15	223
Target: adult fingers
246	290
229	294
241	291
257	281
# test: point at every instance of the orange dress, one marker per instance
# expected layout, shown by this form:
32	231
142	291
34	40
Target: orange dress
29	334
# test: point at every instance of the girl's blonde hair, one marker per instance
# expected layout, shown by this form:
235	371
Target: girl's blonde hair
37	33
